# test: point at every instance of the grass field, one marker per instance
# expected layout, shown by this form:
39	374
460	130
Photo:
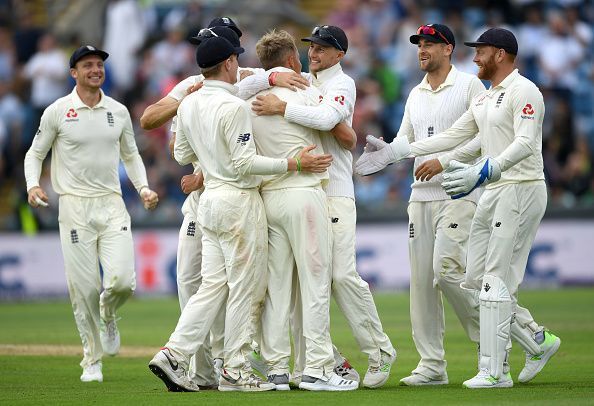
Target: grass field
48	328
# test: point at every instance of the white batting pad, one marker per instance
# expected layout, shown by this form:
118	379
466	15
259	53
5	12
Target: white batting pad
495	321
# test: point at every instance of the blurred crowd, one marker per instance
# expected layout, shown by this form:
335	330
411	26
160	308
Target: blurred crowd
149	54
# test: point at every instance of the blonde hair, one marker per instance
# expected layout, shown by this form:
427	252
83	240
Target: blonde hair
273	47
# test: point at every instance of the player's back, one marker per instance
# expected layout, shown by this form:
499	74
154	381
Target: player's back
276	137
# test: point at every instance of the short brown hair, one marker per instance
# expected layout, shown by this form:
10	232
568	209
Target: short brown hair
273	47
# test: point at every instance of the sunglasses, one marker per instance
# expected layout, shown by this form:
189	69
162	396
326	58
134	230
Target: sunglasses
428	30
206	33
323	33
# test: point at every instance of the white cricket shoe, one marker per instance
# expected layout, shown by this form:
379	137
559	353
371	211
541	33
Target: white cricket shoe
257	363
169	370
280	381
110	337
330	383
252	383
92	373
377	376
422	380
484	380
535	363
346	371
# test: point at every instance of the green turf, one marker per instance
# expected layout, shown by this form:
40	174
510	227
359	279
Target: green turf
569	379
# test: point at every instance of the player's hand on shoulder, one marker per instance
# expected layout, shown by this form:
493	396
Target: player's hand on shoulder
428	170
290	80
37	197
314	163
150	198
194	87
192	182
268	104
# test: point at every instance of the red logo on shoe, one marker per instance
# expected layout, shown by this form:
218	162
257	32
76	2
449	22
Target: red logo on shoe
340	99
71	113
528	109
321	98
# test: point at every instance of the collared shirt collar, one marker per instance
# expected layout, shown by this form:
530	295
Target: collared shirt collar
219	84
328	73
281	69
79	104
449	81
508	80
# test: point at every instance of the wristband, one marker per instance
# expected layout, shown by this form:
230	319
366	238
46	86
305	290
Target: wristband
298	164
271	78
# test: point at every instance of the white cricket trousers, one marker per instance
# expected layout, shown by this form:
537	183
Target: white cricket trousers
298	239
350	291
234	256
189	279
502	233
438	236
96	230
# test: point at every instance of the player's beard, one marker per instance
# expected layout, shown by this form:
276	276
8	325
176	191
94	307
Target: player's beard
487	70
431	66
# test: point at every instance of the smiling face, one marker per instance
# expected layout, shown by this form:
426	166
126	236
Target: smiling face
432	56
485	59
89	72
322	57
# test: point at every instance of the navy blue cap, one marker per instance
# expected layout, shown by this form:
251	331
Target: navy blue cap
214	47
435	33
221	31
498	38
225	22
84	51
329	36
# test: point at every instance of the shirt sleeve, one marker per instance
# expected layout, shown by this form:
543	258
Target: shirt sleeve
338	105
42	142
528	112
406	128
131	157
253	85
179	91
182	151
466	153
238	129
463	129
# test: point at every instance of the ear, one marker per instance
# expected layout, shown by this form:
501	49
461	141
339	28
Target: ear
73	73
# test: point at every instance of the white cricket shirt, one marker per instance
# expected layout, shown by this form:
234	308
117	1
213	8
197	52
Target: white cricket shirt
87	144
429	112
214	128
509	118
277	137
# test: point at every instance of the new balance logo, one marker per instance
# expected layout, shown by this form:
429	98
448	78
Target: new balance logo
498	224
243	138
73	236
499	100
430	131
453	225
335	219
124	228
411	231
110	119
191	232
487	287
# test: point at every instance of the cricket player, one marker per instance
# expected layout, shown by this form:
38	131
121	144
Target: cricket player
328	45
231	216
89	133
438	225
189	251
298	232
509	118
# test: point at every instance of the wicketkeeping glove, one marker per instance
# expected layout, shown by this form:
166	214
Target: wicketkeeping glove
379	154
461	179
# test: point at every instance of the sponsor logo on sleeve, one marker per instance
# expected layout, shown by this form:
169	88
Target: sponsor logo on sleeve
243	138
528	112
339	99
